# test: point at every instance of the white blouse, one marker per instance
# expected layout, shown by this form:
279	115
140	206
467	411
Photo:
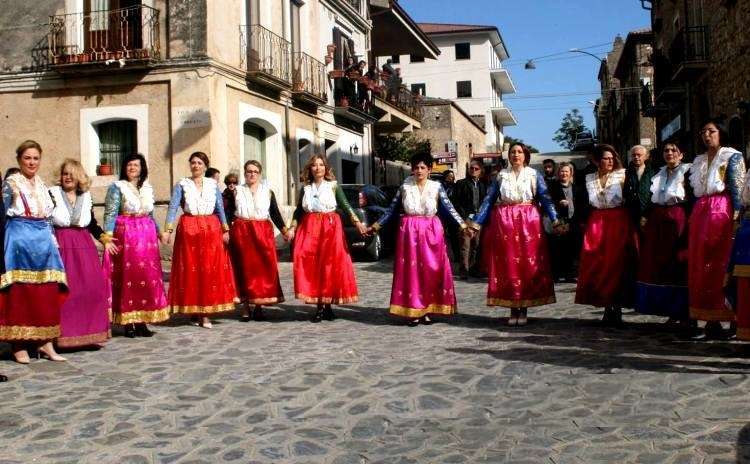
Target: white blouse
515	189
36	195
61	216
668	187
609	196
199	202
708	180
253	206
136	201
416	203
319	198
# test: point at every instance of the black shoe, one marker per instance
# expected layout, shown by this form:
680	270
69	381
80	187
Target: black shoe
245	318
3	378
130	331
426	321
257	314
328	314
142	330
317	317
413	323
699	336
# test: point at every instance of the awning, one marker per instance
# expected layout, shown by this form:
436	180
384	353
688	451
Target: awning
395	33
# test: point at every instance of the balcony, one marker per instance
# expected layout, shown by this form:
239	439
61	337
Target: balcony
266	57
502	80
127	36
688	53
309	80
502	115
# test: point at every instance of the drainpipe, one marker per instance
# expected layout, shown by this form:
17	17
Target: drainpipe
290	186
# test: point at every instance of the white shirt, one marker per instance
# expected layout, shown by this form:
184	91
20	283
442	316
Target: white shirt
416	203
319	198
199	202
36	195
133	200
253	206
609	196
709	180
61	215
668	187
515	189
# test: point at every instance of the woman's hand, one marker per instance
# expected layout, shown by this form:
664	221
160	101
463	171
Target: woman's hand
361	228
225	238
563	203
111	248
166	237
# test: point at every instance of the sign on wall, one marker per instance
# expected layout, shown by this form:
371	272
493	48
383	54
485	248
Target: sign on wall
190	117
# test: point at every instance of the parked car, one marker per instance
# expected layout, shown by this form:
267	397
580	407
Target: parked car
369	203
584	141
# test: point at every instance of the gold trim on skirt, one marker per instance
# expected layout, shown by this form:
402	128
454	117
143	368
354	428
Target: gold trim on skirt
20	332
195	309
413	313
139	317
712	315
326	300
25	276
84	340
521	303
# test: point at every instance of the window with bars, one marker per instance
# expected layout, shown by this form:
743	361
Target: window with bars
116	140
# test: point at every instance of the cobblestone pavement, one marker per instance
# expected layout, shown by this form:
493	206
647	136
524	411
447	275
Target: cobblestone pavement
364	389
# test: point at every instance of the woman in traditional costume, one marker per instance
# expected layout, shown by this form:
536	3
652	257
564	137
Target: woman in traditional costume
202	281
740	267
662	289
519	267
610	245
85	315
137	287
323	270
717	178
422	276
253	243
33	283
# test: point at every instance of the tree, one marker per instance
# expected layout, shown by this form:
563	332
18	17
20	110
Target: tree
512	140
571	125
402	148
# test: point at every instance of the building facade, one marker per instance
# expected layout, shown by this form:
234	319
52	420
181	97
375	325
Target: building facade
95	80
700	58
469	72
606	106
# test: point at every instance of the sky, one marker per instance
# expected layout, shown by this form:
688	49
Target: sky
537	28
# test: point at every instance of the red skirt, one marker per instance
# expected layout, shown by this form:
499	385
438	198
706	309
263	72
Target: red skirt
323	270
255	262
518	259
31	311
608	263
202	280
709	249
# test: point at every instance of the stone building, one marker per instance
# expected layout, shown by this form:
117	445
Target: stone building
239	79
701	57
606	106
447	126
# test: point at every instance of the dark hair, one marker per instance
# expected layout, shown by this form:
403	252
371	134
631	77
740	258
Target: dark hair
144	168
210	172
425	158
672	141
25	145
447	172
526	152
228	178
549	160
477	162
255	163
11	171
202	156
723	132
599	154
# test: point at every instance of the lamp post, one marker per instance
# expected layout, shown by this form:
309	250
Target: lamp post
530	64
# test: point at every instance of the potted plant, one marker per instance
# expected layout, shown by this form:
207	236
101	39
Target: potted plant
104	168
336	74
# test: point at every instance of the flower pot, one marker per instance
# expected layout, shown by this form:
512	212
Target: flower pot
328	59
104	170
344	102
336	74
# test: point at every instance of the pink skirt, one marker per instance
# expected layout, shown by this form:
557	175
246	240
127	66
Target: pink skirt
84	317
517	258
608	263
709	249
422	276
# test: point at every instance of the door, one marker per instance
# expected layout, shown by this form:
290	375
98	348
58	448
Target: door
112	26
255	145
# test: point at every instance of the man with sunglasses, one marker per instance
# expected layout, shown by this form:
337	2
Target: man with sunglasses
467	196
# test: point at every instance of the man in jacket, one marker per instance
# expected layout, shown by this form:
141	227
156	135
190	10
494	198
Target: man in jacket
637	192
467	197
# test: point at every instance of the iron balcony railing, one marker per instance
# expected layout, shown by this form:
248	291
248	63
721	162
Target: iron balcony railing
309	76
690	46
262	51
130	33
356	4
409	102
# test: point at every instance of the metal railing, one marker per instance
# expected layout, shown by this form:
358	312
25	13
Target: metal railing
356	4
309	75
262	51
130	33
690	45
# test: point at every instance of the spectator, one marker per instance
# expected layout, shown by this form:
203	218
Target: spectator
394	84
449	181
590	168
550	171
213	173
638	184
388	67
228	196
467	196
10	172
564	246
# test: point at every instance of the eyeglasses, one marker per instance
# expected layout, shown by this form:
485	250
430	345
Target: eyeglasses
707	131
232	182
474	168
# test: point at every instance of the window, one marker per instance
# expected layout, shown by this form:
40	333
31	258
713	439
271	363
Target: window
419	89
463	51
463	89
116	140
396	59
416	59
255	142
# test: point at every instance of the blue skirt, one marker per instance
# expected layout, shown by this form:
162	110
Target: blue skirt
31	253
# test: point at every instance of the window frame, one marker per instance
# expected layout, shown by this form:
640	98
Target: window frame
458	89
419	85
468	50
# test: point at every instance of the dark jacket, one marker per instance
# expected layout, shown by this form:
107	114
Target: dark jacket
462	198
557	194
637	192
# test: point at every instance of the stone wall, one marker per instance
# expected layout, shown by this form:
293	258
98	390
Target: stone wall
23	33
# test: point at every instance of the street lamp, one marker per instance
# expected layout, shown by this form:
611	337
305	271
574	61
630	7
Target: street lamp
531	65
